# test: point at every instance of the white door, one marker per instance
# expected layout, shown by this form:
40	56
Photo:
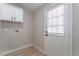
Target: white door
58	30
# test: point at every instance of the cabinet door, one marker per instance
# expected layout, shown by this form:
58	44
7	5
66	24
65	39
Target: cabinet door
7	12
11	13
15	14
20	15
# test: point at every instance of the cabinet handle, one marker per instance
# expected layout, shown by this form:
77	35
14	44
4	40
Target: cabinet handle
12	18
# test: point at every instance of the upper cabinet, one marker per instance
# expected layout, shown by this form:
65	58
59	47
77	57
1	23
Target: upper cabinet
7	11
11	13
20	17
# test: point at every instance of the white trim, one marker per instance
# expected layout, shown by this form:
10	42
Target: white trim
43	51
26	46
57	34
71	30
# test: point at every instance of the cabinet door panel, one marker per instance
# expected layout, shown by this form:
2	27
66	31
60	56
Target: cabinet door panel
7	12
15	14
20	15
11	13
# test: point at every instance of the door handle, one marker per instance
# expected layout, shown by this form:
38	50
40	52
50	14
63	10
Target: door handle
12	18
46	34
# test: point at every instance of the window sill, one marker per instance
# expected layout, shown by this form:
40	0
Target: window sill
56	34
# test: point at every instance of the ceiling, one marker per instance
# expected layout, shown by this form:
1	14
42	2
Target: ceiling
31	6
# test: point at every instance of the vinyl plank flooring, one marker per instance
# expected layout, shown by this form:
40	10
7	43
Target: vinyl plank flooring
30	51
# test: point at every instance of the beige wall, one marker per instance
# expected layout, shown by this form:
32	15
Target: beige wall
38	29
11	39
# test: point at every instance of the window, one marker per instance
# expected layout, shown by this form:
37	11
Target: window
55	20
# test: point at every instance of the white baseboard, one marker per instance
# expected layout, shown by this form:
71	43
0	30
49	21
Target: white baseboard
26	46
43	51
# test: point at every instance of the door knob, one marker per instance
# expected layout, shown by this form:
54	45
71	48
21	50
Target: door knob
46	34
14	18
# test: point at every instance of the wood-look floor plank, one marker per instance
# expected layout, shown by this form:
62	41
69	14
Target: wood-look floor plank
30	51
19	51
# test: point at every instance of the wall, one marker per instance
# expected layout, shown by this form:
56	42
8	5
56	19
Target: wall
75	33
38	28
11	39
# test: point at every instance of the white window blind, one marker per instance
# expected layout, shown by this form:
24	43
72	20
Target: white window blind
55	23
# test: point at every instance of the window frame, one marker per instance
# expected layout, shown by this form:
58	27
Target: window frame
59	34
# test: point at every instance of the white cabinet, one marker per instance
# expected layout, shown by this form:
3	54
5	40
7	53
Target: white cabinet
18	14
7	11
20	17
11	13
